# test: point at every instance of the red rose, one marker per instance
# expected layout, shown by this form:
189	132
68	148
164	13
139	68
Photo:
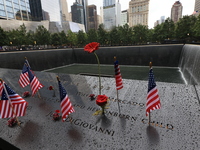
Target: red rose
91	47
101	100
50	87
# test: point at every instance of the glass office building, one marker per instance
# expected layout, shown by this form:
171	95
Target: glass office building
15	9
45	10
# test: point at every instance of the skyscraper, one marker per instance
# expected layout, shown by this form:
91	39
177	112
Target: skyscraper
111	14
84	3
138	12
176	11
14	9
45	10
124	17
77	13
197	7
92	17
64	10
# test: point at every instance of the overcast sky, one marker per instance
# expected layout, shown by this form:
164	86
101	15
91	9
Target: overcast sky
157	8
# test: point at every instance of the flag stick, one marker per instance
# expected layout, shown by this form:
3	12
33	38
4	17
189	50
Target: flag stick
10	102
150	66
28	65
118	102
117	90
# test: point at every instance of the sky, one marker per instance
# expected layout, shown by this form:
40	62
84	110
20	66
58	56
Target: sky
157	8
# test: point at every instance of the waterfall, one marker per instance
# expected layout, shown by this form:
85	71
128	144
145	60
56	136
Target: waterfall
189	63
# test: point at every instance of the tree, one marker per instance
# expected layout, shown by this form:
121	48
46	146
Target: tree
72	38
184	28
92	36
140	34
114	36
196	29
126	34
167	29
157	35
30	37
42	36
81	38
102	35
55	39
63	37
3	37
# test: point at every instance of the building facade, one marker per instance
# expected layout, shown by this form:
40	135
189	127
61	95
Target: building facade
124	17
84	3
77	13
162	19
64	10
45	10
197	7
138	12
111	14
92	17
15	9
176	11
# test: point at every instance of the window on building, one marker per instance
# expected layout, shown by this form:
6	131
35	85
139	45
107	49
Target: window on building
2	13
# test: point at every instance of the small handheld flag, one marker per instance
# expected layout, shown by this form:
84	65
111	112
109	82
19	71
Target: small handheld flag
66	106
153	100
118	79
118	76
11	104
27	77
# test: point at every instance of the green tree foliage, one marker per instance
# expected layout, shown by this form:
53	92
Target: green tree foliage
42	36
167	29
92	36
3	37
184	28
114	37
30	38
102	35
55	39
140	34
81	38
125	35
72	38
63	37
196	29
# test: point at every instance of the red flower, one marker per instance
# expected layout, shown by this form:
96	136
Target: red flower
12	122
101	100
57	111
91	47
26	94
91	95
50	87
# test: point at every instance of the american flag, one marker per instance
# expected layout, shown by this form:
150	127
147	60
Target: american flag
24	78
1	88
118	77
11	104
66	106
27	77
153	100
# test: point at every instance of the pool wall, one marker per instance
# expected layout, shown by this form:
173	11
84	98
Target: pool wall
161	55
